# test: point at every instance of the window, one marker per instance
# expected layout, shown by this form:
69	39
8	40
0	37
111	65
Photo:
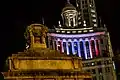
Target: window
55	45
94	78
101	41
93	48
107	69
93	71
99	63
101	77
88	70
99	70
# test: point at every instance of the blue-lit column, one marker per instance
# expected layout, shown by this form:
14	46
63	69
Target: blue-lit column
56	44
73	51
62	46
67	48
85	49
78	49
90	49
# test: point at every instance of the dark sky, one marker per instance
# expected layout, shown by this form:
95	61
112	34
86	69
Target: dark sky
15	16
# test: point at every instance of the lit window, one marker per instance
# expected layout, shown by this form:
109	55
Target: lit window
79	22
95	25
93	71
94	20
92	63
93	15
68	31
79	31
85	31
90	5
73	31
92	10
90	30
63	31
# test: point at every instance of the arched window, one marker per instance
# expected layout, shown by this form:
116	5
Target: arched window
93	48
101	41
70	48
71	21
51	44
59	46
98	49
64	47
87	49
76	48
82	50
55	46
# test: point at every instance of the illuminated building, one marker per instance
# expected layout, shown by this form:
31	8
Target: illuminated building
88	40
87	12
116	59
38	62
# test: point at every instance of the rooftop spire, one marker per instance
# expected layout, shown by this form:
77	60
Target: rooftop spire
68	1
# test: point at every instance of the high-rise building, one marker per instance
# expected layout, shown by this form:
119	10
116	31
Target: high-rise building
87	13
80	35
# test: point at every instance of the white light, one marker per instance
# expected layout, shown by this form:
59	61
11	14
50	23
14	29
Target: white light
93	15
76	35
84	21
90	5
63	31
90	30
92	10
85	31
84	24
57	31
68	31
73	31
79	31
79	22
79	18
94	20
95	25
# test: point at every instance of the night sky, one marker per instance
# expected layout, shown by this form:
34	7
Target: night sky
15	16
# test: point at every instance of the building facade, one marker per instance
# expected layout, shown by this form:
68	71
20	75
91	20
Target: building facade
38	62
80	35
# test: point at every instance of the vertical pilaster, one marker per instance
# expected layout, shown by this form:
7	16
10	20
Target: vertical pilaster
53	44
85	49
73	51
78	49
90	49
67	47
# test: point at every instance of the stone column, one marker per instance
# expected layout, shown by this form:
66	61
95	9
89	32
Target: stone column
73	51
90	49
67	48
78	49
62	46
85	49
53	43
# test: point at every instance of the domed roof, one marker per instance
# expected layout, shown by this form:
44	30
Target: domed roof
68	6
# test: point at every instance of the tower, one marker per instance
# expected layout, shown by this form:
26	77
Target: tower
80	35
87	12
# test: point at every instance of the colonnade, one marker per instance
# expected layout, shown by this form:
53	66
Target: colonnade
85	48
